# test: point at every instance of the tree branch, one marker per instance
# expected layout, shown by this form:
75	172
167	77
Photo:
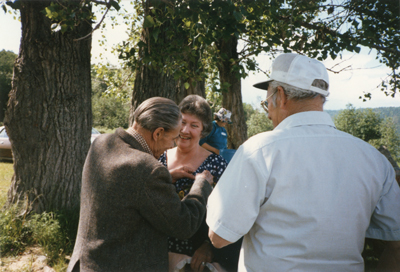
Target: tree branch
98	25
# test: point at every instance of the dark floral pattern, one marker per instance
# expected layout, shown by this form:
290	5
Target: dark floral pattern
216	165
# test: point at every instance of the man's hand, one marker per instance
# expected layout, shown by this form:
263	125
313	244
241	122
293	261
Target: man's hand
206	175
181	172
201	256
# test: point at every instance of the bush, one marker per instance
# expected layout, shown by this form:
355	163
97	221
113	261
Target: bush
54	232
110	112
15	234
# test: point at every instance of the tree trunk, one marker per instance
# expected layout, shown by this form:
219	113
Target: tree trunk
152	81
49	117
232	99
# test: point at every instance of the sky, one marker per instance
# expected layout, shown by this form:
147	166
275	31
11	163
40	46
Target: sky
345	88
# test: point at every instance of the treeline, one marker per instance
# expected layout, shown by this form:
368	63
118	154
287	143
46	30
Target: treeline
378	126
384	112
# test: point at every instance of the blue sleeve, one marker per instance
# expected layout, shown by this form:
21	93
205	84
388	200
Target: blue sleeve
202	141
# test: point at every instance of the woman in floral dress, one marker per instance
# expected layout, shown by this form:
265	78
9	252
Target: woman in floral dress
196	124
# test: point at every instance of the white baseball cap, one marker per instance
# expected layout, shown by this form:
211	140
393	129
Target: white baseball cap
298	71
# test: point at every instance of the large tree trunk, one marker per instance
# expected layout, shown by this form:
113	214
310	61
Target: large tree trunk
48	117
152	81
232	99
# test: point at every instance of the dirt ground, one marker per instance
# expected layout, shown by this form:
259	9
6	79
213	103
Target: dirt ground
32	260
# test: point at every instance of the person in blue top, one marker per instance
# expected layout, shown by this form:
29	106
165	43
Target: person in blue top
218	137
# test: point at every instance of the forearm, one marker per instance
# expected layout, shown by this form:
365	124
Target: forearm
216	240
210	148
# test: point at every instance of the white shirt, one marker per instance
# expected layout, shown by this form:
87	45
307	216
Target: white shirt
303	195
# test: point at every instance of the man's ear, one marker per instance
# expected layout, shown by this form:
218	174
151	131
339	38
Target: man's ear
283	97
158	133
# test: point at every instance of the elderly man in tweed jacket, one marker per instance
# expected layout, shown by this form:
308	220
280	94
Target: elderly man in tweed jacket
128	202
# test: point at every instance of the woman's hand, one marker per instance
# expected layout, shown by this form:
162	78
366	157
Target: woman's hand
201	256
181	172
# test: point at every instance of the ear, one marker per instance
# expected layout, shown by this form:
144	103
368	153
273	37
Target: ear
158	133
283	98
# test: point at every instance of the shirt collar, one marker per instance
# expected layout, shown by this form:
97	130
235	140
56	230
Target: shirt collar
138	137
306	118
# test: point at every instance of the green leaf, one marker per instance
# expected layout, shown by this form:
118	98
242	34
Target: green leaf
14	4
187	85
48	12
64	28
115	5
155	34
148	21
237	15
357	49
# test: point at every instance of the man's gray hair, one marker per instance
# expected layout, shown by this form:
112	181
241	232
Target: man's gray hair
296	93
157	112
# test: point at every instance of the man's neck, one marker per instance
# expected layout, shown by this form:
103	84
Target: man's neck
147	135
315	104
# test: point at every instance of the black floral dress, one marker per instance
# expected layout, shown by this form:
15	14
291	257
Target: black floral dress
216	165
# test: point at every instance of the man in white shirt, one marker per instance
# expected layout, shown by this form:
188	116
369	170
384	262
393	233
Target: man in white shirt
305	195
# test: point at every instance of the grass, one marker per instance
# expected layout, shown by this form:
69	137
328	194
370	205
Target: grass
6	173
54	232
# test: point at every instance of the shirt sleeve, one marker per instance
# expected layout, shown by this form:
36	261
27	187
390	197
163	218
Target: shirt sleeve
385	221
234	204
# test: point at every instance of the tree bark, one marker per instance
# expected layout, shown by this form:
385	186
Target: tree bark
152	81
232	99
49	117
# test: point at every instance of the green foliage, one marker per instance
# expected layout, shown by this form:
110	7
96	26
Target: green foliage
7	59
256	120
370	127
65	15
363	124
54	232
111	96
319	29
15	235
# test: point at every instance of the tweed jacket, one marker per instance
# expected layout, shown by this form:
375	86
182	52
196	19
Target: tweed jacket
129	207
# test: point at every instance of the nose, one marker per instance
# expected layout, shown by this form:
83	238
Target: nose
184	128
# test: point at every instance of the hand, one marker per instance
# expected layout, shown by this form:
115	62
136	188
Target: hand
206	175
181	172
202	255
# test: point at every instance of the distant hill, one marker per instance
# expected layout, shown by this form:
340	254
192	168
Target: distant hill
393	112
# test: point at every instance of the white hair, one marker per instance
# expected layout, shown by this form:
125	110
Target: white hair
292	92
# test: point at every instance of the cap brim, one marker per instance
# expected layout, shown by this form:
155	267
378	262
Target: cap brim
262	85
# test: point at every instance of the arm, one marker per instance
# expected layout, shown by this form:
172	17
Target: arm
202	254
390	258
216	240
210	148
234	204
161	206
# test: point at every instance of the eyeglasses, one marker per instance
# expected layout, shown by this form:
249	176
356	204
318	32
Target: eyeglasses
264	103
